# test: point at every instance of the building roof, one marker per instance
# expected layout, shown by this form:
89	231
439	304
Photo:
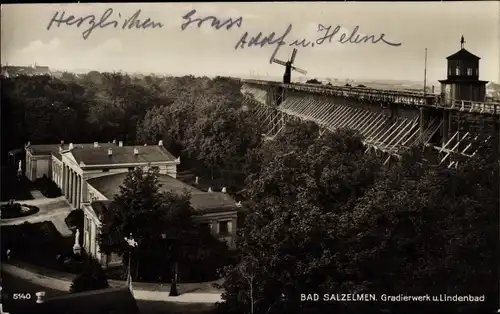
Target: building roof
462	80
109	186
19	70
120	155
103	301
462	54
47	149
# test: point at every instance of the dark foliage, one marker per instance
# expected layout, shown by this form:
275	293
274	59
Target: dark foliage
328	218
16	210
75	220
163	225
92	278
47	187
14	186
313	81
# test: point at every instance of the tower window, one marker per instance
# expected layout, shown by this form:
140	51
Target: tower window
457	71
469	71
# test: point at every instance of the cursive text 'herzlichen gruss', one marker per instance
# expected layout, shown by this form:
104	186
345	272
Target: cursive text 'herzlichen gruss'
105	20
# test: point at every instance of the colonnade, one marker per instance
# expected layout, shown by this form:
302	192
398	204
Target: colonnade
72	186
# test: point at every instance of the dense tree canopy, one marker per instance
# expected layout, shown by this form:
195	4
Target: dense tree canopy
162	223
330	219
325	217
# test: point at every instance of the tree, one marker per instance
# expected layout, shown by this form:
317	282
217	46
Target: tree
162	222
75	220
93	277
220	140
329	218
289	237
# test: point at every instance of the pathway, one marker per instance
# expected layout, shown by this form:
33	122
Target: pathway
64	284
51	209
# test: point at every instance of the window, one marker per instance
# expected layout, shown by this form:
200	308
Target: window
477	71
130	168
224	227
105	170
469	71
457	71
449	70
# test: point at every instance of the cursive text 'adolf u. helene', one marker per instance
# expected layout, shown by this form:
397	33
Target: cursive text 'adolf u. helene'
108	19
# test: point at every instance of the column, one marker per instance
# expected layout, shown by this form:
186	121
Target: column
71	186
84	191
79	200
66	181
73	192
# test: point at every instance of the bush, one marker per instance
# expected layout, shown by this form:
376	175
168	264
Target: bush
16	210
93	277
75	220
313	81
48	187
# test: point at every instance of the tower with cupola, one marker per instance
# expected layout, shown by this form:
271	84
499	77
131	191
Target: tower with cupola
463	81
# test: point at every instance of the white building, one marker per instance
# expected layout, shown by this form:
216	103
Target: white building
89	176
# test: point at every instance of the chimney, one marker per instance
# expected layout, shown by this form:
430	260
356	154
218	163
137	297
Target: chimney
238	204
40	297
60	148
160	143
224	190
210	190
433	89
120	143
62	143
110	152
145	144
70	146
96	144
196	180
136	151
114	142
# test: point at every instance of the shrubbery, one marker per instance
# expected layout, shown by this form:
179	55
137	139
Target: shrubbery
48	187
16	210
92	278
75	220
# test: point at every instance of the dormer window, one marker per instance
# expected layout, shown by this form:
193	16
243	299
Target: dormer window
469	71
457	71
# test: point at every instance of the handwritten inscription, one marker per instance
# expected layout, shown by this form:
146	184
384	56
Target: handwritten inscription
328	35
216	22
352	38
91	22
260	40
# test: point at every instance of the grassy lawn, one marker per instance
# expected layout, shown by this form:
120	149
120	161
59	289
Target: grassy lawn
14	187
39	244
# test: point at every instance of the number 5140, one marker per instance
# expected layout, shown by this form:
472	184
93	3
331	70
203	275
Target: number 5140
21	296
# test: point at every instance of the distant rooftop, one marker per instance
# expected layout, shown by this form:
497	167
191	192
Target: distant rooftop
99	153
120	155
109	186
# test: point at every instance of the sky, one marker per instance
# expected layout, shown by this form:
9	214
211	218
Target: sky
437	26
